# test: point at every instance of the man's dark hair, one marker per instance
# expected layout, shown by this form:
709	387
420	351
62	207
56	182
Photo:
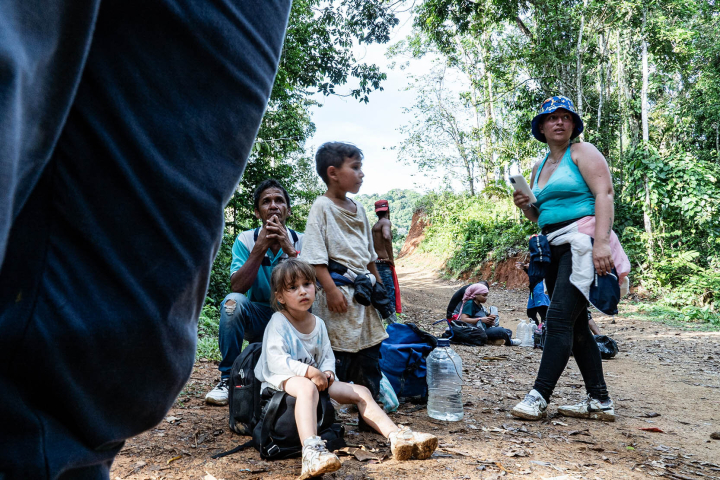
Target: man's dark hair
485	283
382	214
333	154
264	185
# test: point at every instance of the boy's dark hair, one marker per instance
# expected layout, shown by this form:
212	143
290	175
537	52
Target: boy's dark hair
382	214
333	154
264	185
485	283
285	274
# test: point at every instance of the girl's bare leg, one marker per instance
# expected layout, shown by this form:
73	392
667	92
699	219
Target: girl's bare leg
306	400
344	393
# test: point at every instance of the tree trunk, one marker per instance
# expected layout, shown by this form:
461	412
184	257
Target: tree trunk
489	112
620	106
645	73
646	137
578	73
602	40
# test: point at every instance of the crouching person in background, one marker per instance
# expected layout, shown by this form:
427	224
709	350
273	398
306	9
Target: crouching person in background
474	311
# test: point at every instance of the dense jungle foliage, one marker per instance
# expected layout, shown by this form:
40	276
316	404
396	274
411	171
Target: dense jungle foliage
644	76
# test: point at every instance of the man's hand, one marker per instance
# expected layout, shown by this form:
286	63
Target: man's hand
318	378
330	377
277	233
264	241
336	300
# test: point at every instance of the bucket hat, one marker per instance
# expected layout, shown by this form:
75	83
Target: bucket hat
549	106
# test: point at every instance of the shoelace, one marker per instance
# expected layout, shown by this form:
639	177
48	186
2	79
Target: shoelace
316	450
224	384
531	399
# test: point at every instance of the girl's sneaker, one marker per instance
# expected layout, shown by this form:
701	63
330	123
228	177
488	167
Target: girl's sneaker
405	443
533	407
590	408
316	459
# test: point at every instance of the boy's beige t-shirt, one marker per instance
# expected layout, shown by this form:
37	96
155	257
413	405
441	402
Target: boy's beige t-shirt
345	237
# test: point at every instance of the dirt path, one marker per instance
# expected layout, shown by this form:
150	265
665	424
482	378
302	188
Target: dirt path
663	377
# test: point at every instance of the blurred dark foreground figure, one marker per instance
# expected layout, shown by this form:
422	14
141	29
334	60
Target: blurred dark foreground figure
124	129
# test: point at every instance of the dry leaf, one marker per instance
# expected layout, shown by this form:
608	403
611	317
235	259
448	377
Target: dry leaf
360	454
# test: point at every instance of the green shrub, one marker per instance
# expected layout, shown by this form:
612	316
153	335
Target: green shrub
469	230
208	332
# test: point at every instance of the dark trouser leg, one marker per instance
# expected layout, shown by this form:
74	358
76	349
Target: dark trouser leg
533	313
387	281
113	233
240	319
499	333
542	311
568	331
361	368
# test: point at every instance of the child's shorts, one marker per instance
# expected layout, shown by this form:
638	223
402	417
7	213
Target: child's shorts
360	368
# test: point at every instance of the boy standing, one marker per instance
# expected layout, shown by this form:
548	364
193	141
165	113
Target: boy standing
338	232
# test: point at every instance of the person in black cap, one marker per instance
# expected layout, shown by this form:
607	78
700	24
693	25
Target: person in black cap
574	191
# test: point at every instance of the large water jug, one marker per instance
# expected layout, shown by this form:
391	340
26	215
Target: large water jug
521	332
444	378
529	339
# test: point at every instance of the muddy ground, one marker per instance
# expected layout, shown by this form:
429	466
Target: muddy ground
663	378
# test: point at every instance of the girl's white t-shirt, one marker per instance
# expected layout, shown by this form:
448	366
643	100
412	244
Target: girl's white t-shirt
287	353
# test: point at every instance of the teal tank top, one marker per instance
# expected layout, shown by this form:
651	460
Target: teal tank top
565	196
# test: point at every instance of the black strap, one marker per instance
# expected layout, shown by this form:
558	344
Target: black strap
245	445
268	419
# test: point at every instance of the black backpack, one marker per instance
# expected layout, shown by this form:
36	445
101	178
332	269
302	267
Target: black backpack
270	418
244	391
462	333
276	436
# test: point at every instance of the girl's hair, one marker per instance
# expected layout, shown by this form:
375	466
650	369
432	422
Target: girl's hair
285	275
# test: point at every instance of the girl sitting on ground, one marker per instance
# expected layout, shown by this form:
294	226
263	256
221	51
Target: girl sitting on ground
297	358
474	312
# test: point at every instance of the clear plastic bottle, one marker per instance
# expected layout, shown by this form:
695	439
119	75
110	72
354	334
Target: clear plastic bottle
444	378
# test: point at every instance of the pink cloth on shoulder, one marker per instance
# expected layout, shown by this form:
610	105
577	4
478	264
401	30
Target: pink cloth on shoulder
586	225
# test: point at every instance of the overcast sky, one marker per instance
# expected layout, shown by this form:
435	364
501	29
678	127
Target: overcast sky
373	127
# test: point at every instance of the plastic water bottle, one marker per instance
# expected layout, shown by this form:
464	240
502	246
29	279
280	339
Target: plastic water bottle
444	378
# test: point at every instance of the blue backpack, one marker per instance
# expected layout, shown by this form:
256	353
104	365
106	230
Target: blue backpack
402	360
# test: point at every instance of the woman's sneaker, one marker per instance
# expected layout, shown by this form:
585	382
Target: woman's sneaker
590	408
405	443
316	459
533	407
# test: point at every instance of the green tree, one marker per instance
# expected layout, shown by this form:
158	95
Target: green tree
317	57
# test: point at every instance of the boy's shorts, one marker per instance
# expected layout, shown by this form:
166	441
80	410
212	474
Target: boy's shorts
361	368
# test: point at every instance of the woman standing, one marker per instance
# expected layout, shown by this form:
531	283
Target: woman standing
573	188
